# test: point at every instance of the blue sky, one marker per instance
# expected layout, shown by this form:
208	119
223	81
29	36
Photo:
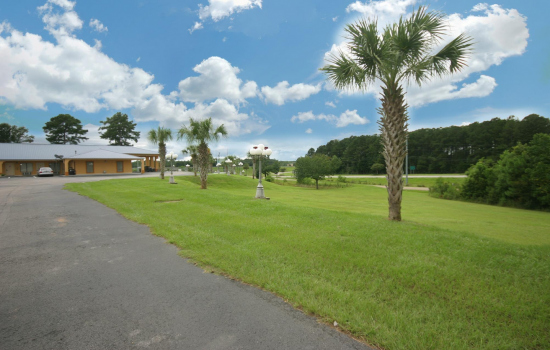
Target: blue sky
252	65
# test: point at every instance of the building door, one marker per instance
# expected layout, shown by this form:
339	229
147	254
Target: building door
26	169
10	169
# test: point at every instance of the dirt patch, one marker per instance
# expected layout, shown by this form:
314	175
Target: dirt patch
170	201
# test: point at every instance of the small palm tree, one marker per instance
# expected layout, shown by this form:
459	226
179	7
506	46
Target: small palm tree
254	159
401	53
160	136
200	132
192	151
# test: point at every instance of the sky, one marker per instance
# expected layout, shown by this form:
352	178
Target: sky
253	65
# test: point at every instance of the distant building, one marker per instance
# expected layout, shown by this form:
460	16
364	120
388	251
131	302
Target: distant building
24	159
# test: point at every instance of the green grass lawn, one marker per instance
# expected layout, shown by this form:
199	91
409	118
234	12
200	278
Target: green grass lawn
452	275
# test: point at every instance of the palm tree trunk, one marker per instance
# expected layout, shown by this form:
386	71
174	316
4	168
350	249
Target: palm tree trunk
195	167
162	151
393	128
203	164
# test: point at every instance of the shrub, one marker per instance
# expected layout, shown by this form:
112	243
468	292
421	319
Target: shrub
445	189
341	179
308	181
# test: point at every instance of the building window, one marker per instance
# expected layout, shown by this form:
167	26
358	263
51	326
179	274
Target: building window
89	167
119	166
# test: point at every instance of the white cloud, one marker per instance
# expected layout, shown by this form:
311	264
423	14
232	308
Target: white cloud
218	9
345	119
385	11
498	33
334	19
224	39
309	131
97	25
217	79
59	24
330	104
196	26
138	59
282	92
350	117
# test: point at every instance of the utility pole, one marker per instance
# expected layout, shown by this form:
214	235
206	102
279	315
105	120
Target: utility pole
407	162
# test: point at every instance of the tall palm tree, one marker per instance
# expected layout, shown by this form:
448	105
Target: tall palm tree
401	53
160	136
192	151
200	132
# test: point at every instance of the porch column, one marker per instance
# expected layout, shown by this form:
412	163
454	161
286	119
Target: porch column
66	166
1	166
142	166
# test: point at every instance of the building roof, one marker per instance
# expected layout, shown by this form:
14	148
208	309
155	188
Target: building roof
30	151
103	154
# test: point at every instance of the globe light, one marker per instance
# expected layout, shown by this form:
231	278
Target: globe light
216	164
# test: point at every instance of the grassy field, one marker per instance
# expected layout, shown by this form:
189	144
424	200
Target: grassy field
452	275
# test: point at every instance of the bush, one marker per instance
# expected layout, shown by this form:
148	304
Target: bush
445	189
269	178
308	181
341	179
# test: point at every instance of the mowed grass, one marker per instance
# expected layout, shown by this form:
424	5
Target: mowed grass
435	281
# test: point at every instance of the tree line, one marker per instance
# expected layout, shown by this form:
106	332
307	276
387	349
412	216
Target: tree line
450	149
519	178
66	129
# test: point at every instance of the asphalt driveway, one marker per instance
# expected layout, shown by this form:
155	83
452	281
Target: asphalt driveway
75	274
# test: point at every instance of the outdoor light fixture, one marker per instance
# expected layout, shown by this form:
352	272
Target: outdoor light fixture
218	166
240	165
172	156
260	151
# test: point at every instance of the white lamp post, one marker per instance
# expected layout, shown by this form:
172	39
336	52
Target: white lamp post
172	156
227	163
187	167
240	165
234	169
218	166
260	151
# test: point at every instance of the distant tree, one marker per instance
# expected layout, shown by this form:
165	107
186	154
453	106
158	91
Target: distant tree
310	152
193	152
282	170
200	132
401	53
65	129
269	166
316	167
377	167
14	134
118	130
160	136
254	161
245	168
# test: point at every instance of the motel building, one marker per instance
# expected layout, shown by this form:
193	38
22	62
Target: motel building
25	159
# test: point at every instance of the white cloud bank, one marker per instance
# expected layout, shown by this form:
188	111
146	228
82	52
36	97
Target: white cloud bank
345	119
78	76
283	92
498	33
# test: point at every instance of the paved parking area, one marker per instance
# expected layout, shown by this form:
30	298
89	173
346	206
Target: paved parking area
75	274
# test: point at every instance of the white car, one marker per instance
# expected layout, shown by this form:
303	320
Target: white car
45	172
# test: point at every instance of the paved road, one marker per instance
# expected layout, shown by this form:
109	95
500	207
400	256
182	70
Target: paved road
75	274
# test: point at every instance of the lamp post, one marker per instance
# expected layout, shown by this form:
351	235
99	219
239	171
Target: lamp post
187	167
172	156
234	169
227	164
260	151
240	165
218	166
